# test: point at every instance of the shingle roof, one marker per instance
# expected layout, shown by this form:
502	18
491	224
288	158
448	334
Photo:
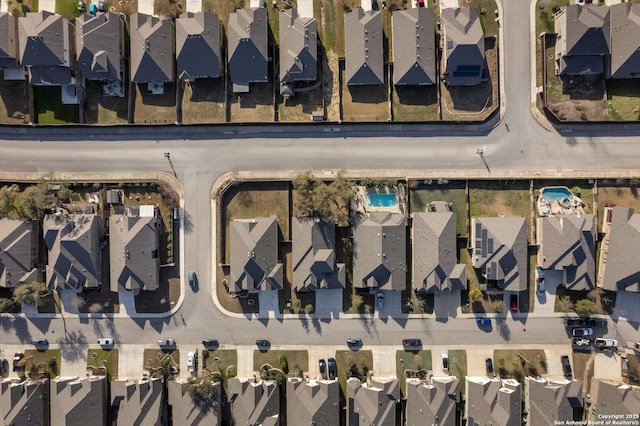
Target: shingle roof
625	43
610	398
198	46
8	41
187	409
500	250
364	56
567	242
380	252
414	47
24	403
140	403
75	401
152	46
463	46
100	46
73	242
313	402
435	264
254	254
434	402
253	403
298	48
133	249
313	258
374	404
18	239
553	401
622	271
247	44
492	401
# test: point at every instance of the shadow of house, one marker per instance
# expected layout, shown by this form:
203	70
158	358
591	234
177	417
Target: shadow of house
311	402
254	403
247	43
193	409
364	54
78	401
18	244
553	401
198	40
298	50
463	53
493	401
24	402
432	402
414	47
100	47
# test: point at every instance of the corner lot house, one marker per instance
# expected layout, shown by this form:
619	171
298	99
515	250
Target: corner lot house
373	403
414	47
553	401
313	402
254	403
621	272
298	50
198	39
247	48
18	242
463	52
432	402
364	55
493	401
152	50
100	47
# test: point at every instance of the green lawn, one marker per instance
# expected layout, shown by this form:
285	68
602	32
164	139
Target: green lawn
100	358
452	192
518	364
221	361
623	99
357	362
413	362
49	108
42	360
296	360
458	366
68	8
544	16
491	199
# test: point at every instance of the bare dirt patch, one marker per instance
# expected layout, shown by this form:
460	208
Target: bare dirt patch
365	103
155	109
203	101
14	102
102	109
415	103
257	106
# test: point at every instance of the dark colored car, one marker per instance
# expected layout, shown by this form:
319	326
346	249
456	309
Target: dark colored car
40	342
323	368
332	368
583	322
483	321
412	343
210	343
566	366
354	342
193	281
489	364
262	343
513	303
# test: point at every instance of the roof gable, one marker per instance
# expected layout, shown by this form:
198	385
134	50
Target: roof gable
247	44
414	49
198	45
151	48
100	46
364	57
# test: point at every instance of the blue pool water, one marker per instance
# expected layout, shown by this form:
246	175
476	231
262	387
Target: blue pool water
381	200
556	193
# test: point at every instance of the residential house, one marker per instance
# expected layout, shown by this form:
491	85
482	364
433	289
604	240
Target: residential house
612	398
463	51
373	403
254	403
198	40
247	46
8	41
625	43
414	47
47	49
583	39
493	401
79	401
298	50
380	252
313	402
500	251
75	257
568	245
18	244
432	402
435	263
254	255
187	410
622	269
364	54
100	47
24	402
314	257
152	47
549	402
134	251
139	403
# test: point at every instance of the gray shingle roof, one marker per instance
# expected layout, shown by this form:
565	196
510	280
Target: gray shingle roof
140	403
380	252
625	42
463	51
185	410
364	55
314	259
374	404
491	401
583	38
434	402
254	254
8	41
622	271
549	401
247	43
24	403
152	47
133	250
612	398
313	402
73	242
414	47
46	47
100	46
298	48
18	239
75	402
435	264
500	250
567	242
198	46
253	403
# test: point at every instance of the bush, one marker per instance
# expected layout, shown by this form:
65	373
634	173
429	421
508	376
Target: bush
475	294
308	309
9	305
498	306
53	365
585	307
284	365
296	305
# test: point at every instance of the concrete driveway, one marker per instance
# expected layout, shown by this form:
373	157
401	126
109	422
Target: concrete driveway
545	301
194	6
446	304
328	303
48	5
146	7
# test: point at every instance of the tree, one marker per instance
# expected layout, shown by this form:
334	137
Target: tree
35	200
304	185
9	305
475	294
356	302
31	294
8	199
585	307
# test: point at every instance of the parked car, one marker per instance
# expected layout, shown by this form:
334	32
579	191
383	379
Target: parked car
583	322
582	332
191	361
166	343
581	344
380	300
636	346
210	343
262	343
105	342
40	342
445	362
566	366
354	342
513	303
489	364
16	360
539	280
192	279
483	321
101	6
322	365
332	368
412	343
605	343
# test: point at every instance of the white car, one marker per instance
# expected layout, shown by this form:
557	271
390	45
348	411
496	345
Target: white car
445	362
191	362
605	343
582	332
105	342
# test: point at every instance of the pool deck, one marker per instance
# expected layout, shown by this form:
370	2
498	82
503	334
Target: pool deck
359	203
552	207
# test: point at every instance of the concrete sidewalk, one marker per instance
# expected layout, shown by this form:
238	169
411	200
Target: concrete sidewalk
48	5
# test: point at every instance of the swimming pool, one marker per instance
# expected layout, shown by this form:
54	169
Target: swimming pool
381	200
552	193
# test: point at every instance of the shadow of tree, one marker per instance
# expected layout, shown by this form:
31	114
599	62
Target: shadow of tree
73	346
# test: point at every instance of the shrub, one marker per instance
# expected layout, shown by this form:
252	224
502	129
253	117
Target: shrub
308	309
475	294
585	307
498	306
296	305
284	365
